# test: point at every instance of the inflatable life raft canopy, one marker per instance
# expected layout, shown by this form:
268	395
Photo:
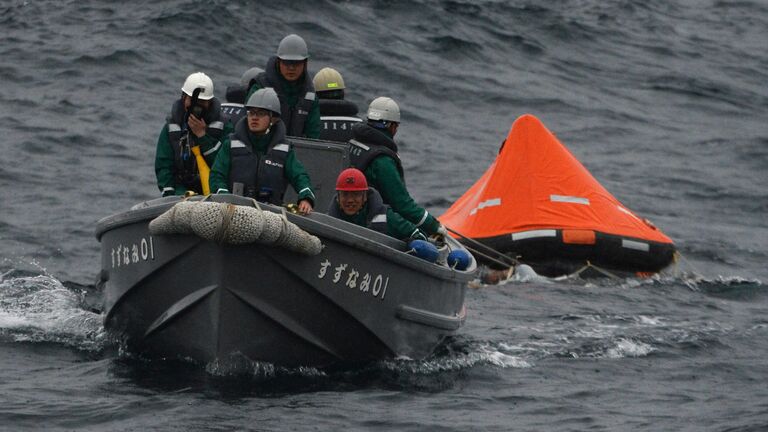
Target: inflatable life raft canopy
537	202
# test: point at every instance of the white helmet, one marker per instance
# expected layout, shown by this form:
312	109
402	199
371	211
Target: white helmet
384	109
198	80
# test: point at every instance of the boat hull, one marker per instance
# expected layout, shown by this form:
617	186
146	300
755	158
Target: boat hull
362	298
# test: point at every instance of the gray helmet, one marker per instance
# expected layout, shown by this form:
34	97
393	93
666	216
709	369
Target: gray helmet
249	75
292	47
384	109
265	98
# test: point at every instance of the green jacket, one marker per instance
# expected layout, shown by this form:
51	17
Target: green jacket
164	158
292	91
383	175
397	227
294	171
379	162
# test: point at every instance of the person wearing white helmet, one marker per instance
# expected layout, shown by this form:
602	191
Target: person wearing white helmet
194	121
287	74
257	161
337	115
374	152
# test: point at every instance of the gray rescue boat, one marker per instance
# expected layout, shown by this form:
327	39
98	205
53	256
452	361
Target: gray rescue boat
359	297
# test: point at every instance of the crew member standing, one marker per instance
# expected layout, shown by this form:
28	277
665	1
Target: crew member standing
287	74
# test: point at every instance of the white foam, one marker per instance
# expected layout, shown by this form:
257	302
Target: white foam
629	348
648	320
9	321
498	358
41	309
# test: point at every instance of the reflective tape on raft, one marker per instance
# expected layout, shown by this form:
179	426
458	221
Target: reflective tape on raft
622	209
636	245
487	203
569	199
533	234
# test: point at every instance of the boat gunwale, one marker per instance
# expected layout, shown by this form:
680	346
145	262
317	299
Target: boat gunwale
325	226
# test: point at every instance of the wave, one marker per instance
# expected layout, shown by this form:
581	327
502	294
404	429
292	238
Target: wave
111	58
40	309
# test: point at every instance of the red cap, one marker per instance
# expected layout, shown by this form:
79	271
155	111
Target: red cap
351	179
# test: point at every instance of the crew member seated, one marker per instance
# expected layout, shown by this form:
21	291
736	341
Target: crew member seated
236	93
194	126
336	114
233	110
257	161
356	203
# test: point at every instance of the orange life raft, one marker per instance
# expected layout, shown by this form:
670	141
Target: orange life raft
537	202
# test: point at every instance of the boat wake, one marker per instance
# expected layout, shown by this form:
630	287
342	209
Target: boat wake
459	355
39	308
454	356
692	280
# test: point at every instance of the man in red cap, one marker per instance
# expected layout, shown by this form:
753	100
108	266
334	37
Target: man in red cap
356	203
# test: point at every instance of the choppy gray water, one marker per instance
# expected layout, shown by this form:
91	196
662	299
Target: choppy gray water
664	102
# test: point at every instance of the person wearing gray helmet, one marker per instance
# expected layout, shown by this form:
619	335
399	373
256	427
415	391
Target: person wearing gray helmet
249	77
374	152
257	161
233	110
287	74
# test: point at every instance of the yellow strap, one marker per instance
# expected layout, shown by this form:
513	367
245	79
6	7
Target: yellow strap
203	169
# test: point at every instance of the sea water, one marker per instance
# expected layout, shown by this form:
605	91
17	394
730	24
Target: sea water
664	102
